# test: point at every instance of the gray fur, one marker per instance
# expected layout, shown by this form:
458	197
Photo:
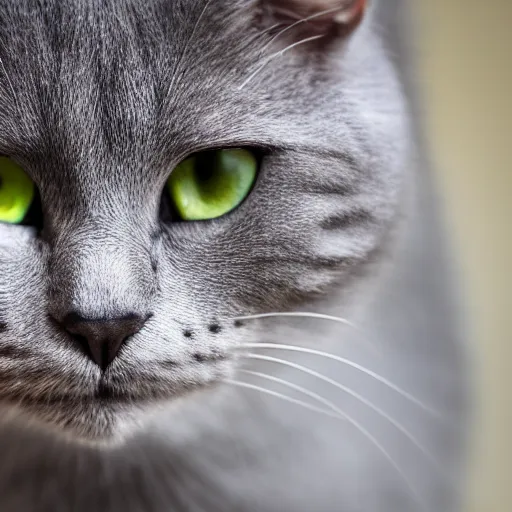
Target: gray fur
99	100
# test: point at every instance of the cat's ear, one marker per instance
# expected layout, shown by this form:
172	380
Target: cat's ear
329	18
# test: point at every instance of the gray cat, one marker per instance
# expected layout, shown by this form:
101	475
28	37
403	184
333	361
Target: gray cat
227	289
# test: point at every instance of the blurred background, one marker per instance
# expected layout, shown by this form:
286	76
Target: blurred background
466	74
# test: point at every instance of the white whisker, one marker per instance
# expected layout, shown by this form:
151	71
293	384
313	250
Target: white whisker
353	422
277	54
300	22
317	316
282	397
271	28
350	392
288	28
300	314
296	387
351	364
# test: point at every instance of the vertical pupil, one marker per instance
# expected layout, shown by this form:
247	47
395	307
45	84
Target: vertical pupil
204	166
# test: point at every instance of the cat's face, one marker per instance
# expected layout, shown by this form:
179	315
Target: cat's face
99	102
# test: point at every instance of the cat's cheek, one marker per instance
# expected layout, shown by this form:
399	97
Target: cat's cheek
22	283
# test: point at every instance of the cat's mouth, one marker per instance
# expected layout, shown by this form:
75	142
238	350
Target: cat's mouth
83	400
103	395
98	415
106	393
96	407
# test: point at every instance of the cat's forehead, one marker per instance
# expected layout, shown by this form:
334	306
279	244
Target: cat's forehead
124	74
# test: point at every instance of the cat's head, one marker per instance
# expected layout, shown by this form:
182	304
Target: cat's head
122	271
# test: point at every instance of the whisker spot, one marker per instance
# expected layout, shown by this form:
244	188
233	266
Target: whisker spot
214	328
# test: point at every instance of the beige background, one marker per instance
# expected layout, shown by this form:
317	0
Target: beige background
466	71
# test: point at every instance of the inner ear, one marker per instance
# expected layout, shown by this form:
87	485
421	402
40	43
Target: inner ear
315	17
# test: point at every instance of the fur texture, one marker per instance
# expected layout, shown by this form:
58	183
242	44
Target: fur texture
99	101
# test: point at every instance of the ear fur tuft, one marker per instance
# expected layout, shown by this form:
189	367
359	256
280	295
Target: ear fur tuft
316	17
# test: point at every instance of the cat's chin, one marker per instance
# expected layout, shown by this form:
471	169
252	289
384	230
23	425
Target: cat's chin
85	421
100	420
109	406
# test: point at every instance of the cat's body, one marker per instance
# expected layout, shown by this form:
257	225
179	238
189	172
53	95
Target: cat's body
361	243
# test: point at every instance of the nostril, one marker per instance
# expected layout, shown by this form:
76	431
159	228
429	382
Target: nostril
82	343
69	320
102	338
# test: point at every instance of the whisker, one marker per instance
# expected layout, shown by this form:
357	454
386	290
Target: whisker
299	22
358	367
271	28
282	397
282	32
275	55
296	387
308	314
348	418
352	393
300	314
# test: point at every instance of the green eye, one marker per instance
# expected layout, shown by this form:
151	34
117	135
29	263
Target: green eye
210	184
16	192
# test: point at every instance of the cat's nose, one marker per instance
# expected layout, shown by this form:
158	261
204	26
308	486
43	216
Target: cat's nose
103	337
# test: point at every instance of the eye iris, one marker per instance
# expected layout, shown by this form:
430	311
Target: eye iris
211	184
16	192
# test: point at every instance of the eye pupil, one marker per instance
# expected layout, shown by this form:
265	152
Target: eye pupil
204	168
